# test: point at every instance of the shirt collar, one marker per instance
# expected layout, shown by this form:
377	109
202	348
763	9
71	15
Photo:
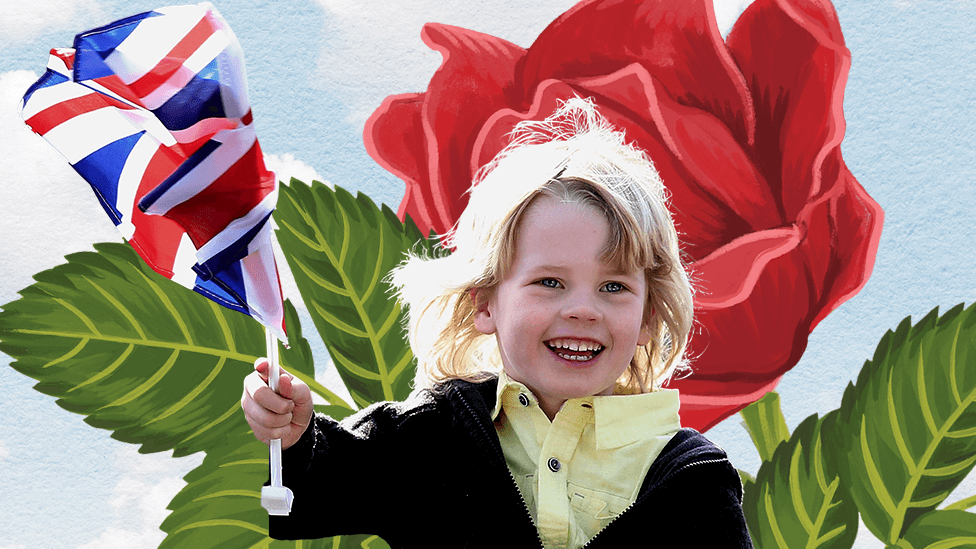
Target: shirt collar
618	419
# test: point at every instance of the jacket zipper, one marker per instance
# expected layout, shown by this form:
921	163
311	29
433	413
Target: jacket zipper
628	508
501	456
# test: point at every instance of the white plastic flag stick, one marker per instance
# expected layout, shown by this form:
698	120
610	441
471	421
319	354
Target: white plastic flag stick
275	498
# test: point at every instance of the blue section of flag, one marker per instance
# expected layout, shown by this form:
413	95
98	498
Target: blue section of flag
198	100
50	78
227	289
230	254
104	40
102	170
196	158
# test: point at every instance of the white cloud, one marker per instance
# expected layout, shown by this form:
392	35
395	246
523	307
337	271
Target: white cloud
287	166
4	454
146	484
727	12
46	209
14	547
397	61
25	21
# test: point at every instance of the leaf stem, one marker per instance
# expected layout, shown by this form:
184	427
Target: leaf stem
320	389
963	504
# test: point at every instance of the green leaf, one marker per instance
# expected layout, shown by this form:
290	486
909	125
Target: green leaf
941	530
764	421
138	354
797	500
221	504
910	422
340	250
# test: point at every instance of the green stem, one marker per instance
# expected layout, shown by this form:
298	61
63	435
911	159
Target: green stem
766	425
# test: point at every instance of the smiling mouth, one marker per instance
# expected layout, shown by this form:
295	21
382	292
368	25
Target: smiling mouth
574	350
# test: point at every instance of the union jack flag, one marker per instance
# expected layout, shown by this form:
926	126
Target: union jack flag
152	110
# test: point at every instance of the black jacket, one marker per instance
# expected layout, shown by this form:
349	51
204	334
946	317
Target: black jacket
430	472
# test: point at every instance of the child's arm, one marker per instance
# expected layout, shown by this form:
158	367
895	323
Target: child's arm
285	415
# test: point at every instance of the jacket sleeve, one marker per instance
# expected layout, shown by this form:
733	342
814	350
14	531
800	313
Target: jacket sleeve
345	475
706	503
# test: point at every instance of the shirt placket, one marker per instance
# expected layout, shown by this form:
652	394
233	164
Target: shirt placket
553	470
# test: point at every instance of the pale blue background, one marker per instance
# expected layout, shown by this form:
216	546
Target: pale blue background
318	68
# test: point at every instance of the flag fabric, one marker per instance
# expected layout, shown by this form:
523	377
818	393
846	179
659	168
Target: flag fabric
152	111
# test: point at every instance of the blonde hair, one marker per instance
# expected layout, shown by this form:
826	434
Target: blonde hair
577	157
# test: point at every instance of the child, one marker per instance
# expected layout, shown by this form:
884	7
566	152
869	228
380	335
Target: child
542	342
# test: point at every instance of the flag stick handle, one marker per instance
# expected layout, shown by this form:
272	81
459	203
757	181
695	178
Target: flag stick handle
275	498
273	375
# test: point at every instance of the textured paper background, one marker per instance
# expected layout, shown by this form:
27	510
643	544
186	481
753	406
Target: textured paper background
318	68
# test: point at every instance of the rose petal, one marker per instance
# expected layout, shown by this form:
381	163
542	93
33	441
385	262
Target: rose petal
707	224
702	412
473	82
728	275
677	42
742	348
390	136
843	231
493	135
721	173
797	90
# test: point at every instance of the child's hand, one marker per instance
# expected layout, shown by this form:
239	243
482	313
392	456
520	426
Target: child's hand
285	415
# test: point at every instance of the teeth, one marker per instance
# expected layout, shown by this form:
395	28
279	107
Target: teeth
575	345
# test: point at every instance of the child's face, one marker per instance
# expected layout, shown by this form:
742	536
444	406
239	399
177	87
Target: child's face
559	295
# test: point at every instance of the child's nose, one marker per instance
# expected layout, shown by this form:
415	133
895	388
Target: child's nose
581	307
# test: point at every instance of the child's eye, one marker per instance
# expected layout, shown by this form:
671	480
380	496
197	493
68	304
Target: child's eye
549	282
613	287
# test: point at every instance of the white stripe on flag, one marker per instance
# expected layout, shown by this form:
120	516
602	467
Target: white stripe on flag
145	120
183	273
233	77
261	284
205	127
52	95
235	143
193	65
57	65
131	176
148	44
84	134
102	89
236	228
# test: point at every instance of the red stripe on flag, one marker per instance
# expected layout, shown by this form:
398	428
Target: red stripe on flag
157	238
174	60
232	195
59	113
115	84
65	54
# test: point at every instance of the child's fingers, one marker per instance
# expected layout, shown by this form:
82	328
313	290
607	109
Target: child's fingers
257	388
284	415
264	417
299	393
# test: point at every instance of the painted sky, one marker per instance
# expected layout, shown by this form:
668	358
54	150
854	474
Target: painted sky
316	70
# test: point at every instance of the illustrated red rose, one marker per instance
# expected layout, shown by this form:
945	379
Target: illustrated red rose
745	133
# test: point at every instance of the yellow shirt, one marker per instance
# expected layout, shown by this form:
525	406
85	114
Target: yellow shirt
578	472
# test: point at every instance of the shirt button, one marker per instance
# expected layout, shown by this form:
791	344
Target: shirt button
523	400
554	465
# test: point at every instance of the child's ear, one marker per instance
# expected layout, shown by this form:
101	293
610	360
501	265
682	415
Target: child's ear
484	322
